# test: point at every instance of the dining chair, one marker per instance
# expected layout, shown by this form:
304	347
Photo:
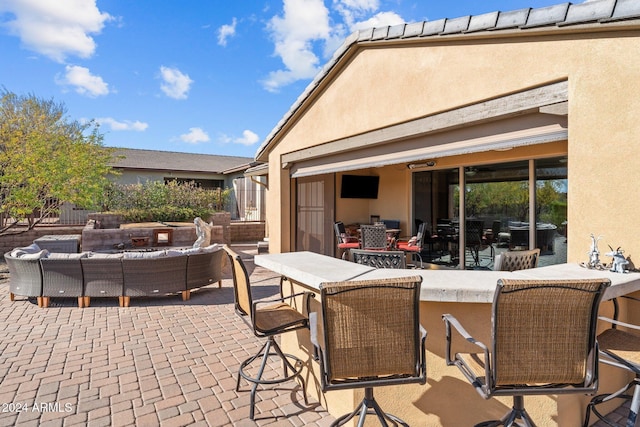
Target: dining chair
414	246
543	343
379	259
475	241
268	319
344	242
374	237
619	347
368	334
516	260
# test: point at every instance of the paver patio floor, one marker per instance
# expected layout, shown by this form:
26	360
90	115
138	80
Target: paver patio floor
160	362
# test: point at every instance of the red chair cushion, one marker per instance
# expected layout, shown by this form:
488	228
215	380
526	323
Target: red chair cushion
404	246
352	245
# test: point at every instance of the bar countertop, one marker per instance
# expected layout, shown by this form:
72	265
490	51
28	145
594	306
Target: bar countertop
312	269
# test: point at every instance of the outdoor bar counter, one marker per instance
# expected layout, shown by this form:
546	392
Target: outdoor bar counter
447	399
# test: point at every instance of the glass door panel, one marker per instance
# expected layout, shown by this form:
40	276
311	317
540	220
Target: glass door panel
551	210
496	211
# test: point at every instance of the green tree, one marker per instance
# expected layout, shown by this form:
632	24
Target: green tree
46	159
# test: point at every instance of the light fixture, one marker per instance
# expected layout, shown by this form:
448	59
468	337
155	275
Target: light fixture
471	171
429	164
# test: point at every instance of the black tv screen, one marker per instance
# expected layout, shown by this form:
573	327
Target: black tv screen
359	187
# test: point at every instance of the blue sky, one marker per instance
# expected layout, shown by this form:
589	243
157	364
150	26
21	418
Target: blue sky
198	76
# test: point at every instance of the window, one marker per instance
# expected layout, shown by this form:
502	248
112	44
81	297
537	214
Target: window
200	183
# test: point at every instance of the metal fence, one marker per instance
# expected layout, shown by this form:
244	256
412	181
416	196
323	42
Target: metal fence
250	200
69	215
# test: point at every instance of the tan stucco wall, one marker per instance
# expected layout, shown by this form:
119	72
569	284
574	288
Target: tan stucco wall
392	201
385	86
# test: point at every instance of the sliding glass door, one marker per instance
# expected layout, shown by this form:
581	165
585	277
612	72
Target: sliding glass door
502	211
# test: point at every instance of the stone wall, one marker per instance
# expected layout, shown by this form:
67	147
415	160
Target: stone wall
222	219
108	235
11	241
223	232
111	238
247	231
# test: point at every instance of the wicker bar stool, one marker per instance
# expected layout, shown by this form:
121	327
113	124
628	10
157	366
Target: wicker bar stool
370	336
619	348
543	342
267	319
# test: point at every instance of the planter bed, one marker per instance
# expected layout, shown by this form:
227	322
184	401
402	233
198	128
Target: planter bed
34	272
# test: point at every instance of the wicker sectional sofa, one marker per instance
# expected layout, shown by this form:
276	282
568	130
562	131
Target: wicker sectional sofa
43	275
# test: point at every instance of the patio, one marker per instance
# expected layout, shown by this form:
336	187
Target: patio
161	362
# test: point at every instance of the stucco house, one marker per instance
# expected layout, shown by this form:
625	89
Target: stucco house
545	100
206	170
526	119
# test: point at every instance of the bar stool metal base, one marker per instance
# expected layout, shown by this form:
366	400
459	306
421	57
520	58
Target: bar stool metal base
369	406
509	420
291	365
620	394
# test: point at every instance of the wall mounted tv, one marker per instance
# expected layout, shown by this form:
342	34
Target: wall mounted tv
359	187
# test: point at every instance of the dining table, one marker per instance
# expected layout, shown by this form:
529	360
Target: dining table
468	295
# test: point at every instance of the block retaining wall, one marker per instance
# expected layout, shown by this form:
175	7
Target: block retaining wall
11	241
247	232
234	232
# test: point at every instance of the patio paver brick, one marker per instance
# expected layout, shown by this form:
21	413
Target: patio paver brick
161	362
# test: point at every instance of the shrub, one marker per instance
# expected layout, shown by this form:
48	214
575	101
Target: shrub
156	201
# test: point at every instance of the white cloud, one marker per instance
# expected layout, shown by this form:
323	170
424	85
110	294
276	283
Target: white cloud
226	31
195	136
116	125
352	10
83	81
58	28
248	138
306	26
303	22
381	19
175	84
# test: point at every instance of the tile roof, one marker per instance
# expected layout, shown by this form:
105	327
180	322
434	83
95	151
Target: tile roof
174	161
521	21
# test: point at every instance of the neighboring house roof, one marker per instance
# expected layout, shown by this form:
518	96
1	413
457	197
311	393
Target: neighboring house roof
522	22
173	161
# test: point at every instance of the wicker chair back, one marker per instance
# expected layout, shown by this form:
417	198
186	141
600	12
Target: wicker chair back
544	332
372	330
241	283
